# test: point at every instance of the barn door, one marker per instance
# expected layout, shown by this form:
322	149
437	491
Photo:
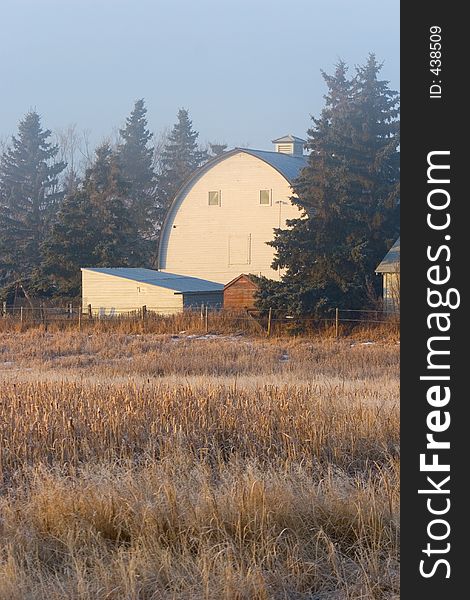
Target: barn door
239	249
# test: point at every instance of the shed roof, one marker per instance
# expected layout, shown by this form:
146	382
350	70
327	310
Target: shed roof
391	261
250	278
172	281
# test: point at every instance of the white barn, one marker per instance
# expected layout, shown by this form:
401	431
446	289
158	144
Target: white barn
113	291
220	220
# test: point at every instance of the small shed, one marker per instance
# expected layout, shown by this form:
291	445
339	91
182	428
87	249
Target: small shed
389	268
240	293
118	290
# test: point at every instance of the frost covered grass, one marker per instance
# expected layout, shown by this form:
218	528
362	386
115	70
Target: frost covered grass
151	466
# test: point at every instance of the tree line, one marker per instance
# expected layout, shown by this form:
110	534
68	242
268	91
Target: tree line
54	220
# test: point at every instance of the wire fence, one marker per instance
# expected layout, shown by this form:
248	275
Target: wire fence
205	319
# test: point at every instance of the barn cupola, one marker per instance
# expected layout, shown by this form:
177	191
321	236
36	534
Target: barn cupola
289	144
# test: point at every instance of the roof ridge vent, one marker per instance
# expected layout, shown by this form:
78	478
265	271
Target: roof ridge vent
290	144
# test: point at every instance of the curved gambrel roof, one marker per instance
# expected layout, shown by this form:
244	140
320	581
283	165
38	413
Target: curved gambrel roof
287	165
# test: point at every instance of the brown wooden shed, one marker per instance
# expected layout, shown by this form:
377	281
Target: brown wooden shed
240	293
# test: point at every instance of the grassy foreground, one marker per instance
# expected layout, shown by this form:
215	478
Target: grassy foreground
150	466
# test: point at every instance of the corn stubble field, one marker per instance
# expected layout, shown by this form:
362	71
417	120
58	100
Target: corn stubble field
149	466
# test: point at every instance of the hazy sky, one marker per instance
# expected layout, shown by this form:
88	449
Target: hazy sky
247	70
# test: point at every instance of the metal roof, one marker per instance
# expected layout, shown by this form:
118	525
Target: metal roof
288	165
288	138
391	261
179	283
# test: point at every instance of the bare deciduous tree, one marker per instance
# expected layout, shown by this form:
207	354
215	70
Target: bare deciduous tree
160	140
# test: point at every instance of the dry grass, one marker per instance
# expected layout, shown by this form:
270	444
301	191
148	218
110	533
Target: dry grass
194	322
148	466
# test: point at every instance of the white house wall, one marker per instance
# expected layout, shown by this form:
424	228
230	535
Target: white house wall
220	242
391	291
108	294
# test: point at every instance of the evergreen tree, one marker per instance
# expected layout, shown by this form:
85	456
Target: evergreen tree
217	149
70	245
135	158
29	198
348	193
107	189
94	227
181	156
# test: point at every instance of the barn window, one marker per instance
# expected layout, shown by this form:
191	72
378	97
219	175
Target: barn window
265	197
214	198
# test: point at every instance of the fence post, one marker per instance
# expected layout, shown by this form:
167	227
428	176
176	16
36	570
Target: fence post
144	312
206	318
70	311
269	321
336	323
43	315
90	313
21	315
80	318
202	314
4	309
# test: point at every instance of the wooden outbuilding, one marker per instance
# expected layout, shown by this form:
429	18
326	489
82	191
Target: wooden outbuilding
240	293
389	268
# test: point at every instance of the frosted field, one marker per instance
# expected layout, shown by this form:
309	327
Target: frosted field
186	466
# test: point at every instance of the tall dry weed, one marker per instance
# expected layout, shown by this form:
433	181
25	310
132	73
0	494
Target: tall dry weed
147	467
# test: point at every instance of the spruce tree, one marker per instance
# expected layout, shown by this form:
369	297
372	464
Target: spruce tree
135	158
107	190
348	193
217	149
29	198
94	228
70	245
181	156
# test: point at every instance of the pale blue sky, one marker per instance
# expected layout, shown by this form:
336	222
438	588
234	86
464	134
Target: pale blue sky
247	70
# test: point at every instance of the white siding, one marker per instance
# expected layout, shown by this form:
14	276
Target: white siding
117	295
220	242
391	291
